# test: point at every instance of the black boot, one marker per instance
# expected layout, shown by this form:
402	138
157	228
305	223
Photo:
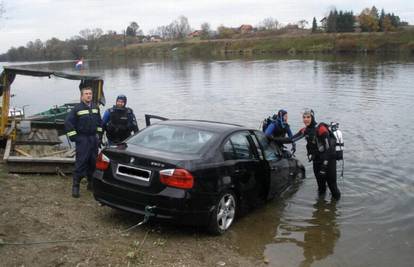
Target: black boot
75	191
75	187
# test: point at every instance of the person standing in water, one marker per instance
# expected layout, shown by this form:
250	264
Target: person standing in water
321	151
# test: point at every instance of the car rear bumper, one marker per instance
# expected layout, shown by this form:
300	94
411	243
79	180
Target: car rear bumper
171	204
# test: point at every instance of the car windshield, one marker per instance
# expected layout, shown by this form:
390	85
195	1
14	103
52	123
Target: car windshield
175	139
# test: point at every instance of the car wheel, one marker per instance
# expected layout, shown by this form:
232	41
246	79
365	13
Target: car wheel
224	213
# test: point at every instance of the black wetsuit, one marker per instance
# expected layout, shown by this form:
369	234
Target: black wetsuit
321	151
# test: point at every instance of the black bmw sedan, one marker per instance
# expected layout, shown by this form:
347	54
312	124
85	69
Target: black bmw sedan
193	172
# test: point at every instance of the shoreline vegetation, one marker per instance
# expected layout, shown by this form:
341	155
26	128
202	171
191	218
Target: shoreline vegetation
341	32
324	43
301	42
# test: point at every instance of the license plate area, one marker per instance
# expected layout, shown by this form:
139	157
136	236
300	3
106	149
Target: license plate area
133	172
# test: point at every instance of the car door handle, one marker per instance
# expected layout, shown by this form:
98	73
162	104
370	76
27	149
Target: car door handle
273	168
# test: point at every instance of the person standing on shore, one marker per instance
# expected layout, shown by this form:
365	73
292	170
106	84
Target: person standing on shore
83	126
119	122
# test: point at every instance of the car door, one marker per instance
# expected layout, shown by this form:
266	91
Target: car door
278	166
242	164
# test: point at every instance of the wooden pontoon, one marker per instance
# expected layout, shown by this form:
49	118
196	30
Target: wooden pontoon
36	146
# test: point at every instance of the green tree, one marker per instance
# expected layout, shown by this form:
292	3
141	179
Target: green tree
345	21
314	25
395	20
133	29
369	20
387	25
381	20
225	32
331	21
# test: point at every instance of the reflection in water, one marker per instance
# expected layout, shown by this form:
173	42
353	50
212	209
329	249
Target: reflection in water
254	231
319	234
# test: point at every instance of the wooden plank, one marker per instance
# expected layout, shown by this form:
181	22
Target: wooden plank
11	128
18	167
37	160
54	153
24	153
7	150
71	153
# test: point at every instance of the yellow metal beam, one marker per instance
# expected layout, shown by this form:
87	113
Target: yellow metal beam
99	91
5	107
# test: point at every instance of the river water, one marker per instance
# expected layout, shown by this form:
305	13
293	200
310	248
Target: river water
371	98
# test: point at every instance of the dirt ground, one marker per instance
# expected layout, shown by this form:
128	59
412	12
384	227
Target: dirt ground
35	209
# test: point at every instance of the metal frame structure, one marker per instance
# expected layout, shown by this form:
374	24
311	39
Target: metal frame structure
9	74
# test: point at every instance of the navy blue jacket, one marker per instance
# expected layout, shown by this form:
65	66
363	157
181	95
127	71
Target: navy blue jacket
83	120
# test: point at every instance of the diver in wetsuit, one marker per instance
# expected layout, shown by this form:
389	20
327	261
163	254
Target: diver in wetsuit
119	122
279	128
321	151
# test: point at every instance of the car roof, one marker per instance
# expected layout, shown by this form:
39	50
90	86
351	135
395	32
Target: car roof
212	126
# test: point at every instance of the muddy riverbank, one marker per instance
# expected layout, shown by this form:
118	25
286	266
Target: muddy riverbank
36	209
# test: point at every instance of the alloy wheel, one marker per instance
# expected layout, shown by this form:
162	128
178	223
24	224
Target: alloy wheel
226	211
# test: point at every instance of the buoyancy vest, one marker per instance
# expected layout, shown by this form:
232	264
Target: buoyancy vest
118	127
320	142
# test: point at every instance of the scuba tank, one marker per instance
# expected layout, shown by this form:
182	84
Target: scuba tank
339	144
267	121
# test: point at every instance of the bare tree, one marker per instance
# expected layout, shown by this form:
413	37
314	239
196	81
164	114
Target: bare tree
205	30
178	29
2	9
183	27
91	34
269	24
302	23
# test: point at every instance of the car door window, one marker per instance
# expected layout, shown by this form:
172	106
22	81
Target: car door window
257	145
228	151
241	146
269	149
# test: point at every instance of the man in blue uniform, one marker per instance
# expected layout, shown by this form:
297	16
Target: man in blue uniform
84	127
119	122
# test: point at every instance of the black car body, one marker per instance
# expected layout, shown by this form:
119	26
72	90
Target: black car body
193	172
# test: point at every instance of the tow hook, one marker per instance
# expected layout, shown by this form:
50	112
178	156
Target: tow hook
148	212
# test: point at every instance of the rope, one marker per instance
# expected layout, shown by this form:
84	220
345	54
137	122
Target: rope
148	213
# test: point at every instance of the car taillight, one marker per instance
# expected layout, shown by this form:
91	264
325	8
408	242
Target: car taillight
179	178
102	162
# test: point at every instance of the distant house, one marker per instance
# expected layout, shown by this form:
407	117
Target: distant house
195	34
245	28
155	38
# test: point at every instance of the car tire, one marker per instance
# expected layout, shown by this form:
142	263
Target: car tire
224	213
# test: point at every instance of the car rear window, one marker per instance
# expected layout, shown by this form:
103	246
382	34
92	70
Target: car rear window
175	139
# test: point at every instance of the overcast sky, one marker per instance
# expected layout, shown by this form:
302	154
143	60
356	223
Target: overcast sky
28	20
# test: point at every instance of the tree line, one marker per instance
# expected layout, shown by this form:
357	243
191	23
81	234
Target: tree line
369	20
92	41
